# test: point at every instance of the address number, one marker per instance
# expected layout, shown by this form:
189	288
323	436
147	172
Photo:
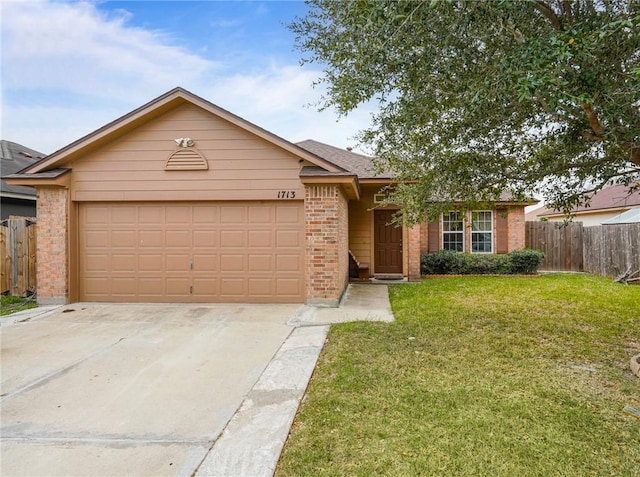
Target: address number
286	194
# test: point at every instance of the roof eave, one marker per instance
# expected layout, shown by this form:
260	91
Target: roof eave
348	183
61	178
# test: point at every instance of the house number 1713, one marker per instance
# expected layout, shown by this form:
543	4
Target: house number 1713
286	194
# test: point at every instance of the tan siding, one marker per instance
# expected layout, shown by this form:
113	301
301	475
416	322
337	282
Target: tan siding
241	165
361	228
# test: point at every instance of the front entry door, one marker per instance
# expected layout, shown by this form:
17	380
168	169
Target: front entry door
387	243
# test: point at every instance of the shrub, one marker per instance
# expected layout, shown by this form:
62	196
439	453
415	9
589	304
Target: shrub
483	264
526	261
442	262
446	262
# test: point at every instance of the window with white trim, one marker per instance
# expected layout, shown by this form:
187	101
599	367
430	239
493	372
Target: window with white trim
481	231
453	231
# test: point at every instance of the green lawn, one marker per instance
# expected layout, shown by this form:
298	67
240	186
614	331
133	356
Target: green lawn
14	304
479	376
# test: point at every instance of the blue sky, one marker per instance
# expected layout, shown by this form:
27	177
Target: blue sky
70	67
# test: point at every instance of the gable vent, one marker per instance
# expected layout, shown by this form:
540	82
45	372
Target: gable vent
186	160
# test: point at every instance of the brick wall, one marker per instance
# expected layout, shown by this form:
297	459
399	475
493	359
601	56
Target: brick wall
516	227
414	243
327	244
52	267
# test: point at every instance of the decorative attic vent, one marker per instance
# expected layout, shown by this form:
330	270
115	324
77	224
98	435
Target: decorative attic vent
187	158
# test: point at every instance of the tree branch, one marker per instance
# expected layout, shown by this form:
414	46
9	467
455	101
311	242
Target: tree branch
594	122
566	7
548	12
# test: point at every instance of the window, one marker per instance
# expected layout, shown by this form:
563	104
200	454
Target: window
453	231
482	231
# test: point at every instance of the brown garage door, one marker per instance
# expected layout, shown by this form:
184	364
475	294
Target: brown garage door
192	252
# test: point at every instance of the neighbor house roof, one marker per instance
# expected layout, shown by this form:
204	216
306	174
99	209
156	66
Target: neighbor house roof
16	157
614	197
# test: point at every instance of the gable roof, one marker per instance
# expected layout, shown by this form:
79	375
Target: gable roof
14	158
154	109
363	166
614	197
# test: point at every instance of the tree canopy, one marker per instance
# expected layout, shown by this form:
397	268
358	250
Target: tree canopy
478	98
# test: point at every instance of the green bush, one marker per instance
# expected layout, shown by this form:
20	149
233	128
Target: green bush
525	261
440	263
446	262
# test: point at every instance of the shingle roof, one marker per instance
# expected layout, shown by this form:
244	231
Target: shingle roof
16	157
612	197
359	164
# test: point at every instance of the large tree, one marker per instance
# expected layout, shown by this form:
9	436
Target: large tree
482	97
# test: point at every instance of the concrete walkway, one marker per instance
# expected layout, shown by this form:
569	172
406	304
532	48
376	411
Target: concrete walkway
251	444
71	374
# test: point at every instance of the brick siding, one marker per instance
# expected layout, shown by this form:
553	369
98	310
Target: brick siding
52	249
414	245
327	244
516	228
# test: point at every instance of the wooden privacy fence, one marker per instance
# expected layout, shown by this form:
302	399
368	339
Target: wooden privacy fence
610	249
562	246
18	255
602	249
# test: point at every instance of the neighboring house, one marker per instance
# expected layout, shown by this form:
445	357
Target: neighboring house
16	200
182	201
604	205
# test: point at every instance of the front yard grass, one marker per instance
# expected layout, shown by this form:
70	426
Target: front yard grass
479	376
14	304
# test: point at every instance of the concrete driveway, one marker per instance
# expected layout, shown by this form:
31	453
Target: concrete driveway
132	389
153	390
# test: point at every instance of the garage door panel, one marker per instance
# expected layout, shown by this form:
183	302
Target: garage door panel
206	215
232	238
288	287
288	238
178	238
204	252
123	287
123	262
260	262
205	238
123	238
97	263
288	263
232	263
151	238
289	215
205	263
178	215
260	238
150	215
233	287
177	262
261	215
261	287
97	238
231	214
124	215
151	263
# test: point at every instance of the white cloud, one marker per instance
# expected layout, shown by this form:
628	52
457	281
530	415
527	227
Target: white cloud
68	69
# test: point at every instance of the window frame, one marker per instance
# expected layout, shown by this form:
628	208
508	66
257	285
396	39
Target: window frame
490	231
461	231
